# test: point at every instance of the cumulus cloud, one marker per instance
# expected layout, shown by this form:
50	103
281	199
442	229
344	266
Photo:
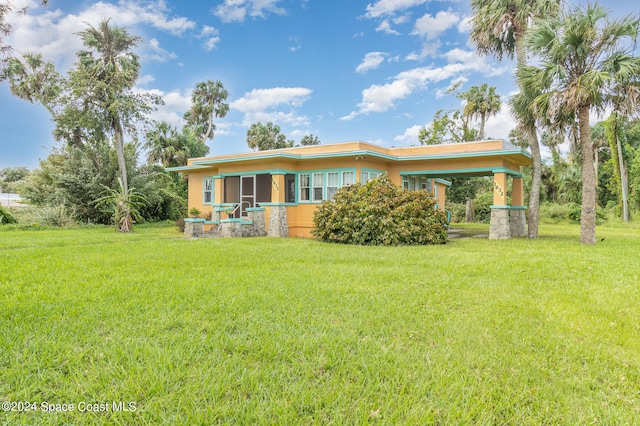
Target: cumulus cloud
210	34
382	97
159	54
371	61
267	105
409	136
385	27
430	27
54	33
237	10
390	7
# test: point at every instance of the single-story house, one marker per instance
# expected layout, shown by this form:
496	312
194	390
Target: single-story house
282	188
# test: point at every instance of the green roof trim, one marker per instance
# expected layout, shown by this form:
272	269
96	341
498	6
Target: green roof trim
185	168
284	155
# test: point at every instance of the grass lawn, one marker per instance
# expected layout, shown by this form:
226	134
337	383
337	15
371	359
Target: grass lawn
292	331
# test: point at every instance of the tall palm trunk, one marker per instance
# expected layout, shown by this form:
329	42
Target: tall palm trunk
534	145
624	178
536	178
119	142
588	216
483	118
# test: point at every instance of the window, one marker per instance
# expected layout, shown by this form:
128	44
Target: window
405	182
289	188
332	184
207	191
304	186
318	186
368	175
348	178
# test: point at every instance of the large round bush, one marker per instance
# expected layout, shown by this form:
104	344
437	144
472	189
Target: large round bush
380	213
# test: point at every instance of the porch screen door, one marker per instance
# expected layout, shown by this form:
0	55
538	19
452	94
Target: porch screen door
248	191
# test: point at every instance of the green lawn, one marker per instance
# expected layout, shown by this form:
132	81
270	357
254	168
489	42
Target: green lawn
293	331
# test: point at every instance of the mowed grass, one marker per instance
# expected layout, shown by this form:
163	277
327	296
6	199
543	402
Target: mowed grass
293	331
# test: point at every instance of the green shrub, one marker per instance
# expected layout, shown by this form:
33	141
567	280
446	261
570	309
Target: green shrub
458	212
380	213
482	207
6	217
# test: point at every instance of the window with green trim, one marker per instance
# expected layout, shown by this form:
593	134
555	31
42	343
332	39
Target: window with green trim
348	178
207	191
303	180
332	184
318	186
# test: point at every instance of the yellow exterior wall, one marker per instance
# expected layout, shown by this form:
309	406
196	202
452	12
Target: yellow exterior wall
473	158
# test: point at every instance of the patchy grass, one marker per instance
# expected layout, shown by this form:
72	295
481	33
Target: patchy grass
290	331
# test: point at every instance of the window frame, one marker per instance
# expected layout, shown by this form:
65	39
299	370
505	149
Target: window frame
209	181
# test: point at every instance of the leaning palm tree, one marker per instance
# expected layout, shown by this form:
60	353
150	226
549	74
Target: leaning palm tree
207	102
582	54
498	28
113	69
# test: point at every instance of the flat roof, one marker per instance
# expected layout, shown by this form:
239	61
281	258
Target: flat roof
359	148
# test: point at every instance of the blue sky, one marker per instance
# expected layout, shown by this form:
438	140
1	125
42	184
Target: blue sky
374	70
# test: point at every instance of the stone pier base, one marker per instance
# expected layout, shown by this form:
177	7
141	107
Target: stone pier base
278	224
193	228
500	226
518	222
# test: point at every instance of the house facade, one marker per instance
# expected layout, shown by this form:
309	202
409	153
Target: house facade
280	189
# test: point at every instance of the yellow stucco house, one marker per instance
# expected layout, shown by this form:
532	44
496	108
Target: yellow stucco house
276	192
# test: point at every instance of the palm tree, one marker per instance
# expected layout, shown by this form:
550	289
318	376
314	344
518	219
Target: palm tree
162	147
482	102
34	80
207	102
498	28
113	68
581	56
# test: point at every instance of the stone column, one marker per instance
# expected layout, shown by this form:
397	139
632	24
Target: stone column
500	227
518	222
256	216
193	228
278	224
517	214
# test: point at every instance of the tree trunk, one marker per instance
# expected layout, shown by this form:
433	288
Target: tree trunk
469	215
122	164
624	179
588	216
482	120
532	137
536	177
206	135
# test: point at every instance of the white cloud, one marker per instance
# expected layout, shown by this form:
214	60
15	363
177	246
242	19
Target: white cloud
259	105
385	27
211	36
54	33
159	54
464	26
145	79
498	126
382	97
371	61
390	7
430	27
176	103
455	82
459	55
410	135
237	10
